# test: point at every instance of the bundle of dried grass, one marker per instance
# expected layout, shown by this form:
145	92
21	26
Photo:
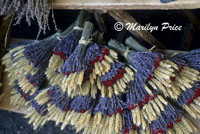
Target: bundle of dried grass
38	10
79	82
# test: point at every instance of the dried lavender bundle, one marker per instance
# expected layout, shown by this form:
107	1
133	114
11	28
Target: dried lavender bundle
63	49
80	105
109	106
21	52
30	9
112	109
58	78
38	113
101	116
127	123
116	79
33	82
185	80
8	59
146	107
66	110
192	58
59	99
184	66
189	100
61	52
59	105
30	63
80	109
172	121
19	98
172	76
75	66
98	59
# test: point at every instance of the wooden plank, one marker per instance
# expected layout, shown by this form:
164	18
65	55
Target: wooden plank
4	35
125	4
101	21
193	18
124	17
5	28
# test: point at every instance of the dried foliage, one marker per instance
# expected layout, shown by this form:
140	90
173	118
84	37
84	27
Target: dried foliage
38	10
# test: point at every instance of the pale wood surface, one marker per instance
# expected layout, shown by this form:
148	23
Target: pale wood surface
125	4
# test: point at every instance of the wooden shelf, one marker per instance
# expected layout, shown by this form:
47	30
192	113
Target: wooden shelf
125	4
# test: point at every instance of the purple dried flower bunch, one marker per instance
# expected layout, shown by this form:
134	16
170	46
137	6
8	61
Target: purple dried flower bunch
74	67
84	67
38	10
79	82
157	75
192	58
68	110
186	81
63	49
103	72
61	52
189	77
28	63
38	112
19	98
9	59
84	111
26	70
99	59
111	110
115	81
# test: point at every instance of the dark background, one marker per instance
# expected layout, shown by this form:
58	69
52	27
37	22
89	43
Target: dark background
171	39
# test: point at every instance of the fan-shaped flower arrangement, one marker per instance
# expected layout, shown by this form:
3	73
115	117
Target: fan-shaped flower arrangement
80	82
